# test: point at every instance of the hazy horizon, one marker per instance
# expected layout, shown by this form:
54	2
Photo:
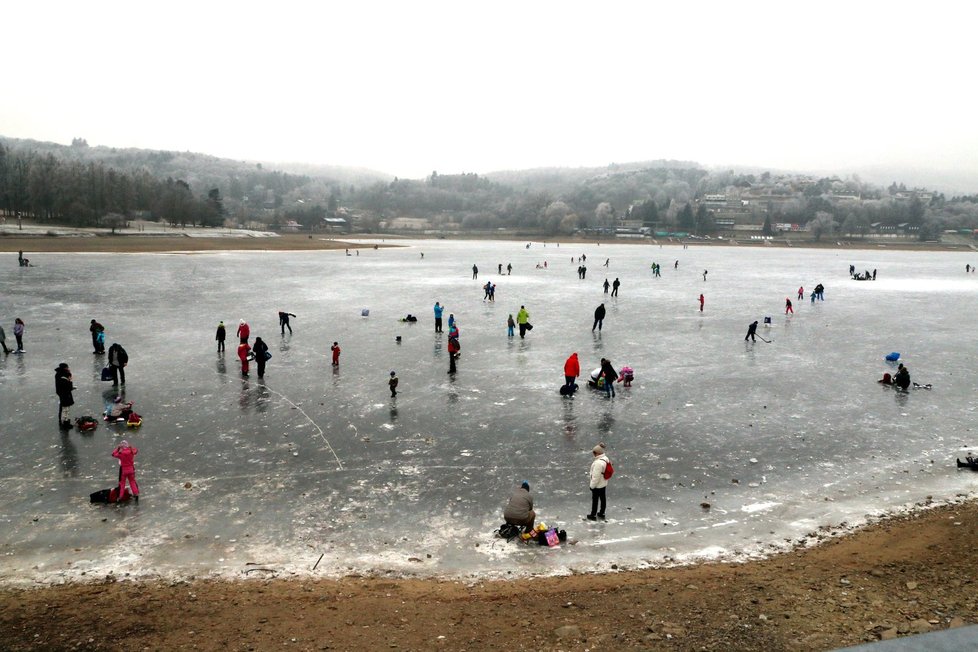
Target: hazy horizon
407	89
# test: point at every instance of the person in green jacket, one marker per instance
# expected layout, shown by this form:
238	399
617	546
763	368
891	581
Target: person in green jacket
523	319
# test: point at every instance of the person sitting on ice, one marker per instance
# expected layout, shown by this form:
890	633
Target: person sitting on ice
519	509
885	380
119	410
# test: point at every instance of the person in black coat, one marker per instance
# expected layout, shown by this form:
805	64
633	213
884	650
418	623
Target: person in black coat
902	378
222	334
751	332
118	359
598	317
63	386
260	349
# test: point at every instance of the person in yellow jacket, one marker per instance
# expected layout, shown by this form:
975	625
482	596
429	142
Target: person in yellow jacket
523	319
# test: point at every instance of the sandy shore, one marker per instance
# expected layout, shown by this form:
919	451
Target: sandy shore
905	575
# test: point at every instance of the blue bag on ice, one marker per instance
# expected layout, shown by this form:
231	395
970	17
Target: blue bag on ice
893	357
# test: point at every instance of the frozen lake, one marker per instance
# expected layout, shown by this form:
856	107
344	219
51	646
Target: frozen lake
779	438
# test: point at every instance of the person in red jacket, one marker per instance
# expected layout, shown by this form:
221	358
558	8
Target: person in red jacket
243	351
572	369
127	468
244	331
453	348
336	353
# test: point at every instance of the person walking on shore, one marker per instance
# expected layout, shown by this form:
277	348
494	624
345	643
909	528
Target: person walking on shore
598	483
127	468
222	334
63	387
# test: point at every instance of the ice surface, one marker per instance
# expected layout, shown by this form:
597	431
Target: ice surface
779	438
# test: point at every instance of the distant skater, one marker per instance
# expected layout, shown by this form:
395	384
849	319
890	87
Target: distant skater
614	287
486	289
874	274
261	355
606	285
244	332
751	332
801	293
510	326
676	266
702	301
599	314
438	310
392	383
509	269
283	321
475	272
336	353
222	334
127	468
607	262
787	306
500	269
705	271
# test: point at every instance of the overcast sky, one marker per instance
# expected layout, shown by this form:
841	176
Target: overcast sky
411	87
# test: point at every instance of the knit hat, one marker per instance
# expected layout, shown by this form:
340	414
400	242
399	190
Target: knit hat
123	444
598	450
63	365
525	485
393	373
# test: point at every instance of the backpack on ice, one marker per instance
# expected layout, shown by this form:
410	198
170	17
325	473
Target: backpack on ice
608	470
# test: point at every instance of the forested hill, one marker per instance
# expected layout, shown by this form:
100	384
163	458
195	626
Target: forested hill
200	171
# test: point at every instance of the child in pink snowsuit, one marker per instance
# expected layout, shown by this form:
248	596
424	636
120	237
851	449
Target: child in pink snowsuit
127	466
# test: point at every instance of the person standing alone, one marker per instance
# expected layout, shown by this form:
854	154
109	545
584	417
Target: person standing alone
598	483
222	334
438	310
19	334
336	353
63	387
572	369
702	301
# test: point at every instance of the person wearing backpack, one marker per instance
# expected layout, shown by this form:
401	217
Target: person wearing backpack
598	474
